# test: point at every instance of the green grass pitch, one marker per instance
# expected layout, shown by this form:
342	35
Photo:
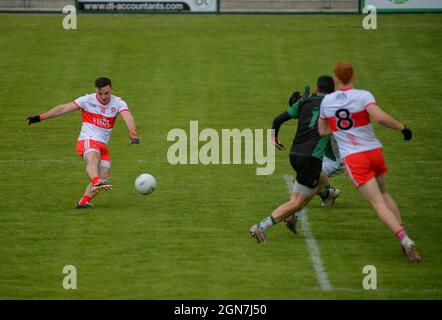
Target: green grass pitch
189	239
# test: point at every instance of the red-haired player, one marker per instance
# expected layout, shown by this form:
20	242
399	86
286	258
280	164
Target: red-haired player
99	111
346	114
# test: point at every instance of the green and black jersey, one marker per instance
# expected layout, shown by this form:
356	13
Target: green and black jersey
328	152
307	140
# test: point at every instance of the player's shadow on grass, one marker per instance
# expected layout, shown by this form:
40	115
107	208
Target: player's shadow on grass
101	208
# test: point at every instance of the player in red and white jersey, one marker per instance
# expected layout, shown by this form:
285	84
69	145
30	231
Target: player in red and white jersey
99	112
346	113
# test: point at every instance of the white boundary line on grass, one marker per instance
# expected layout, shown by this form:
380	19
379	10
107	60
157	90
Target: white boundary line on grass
315	255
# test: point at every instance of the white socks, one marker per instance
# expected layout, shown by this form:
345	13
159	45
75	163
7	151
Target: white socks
266	223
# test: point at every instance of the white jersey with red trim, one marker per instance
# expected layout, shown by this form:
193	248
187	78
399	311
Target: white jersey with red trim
98	118
346	114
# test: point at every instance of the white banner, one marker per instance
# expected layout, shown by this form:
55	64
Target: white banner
405	4
147	5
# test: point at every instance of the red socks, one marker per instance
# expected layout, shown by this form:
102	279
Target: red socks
401	233
84	200
95	180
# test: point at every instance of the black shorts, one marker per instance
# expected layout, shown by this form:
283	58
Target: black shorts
308	170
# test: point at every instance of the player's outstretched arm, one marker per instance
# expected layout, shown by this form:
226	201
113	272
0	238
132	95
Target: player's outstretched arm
323	128
53	113
277	122
130	123
388	121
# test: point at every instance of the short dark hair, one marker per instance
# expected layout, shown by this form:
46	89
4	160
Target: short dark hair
102	82
326	84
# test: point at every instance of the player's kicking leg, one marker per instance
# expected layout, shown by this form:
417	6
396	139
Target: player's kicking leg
85	201
104	176
98	175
